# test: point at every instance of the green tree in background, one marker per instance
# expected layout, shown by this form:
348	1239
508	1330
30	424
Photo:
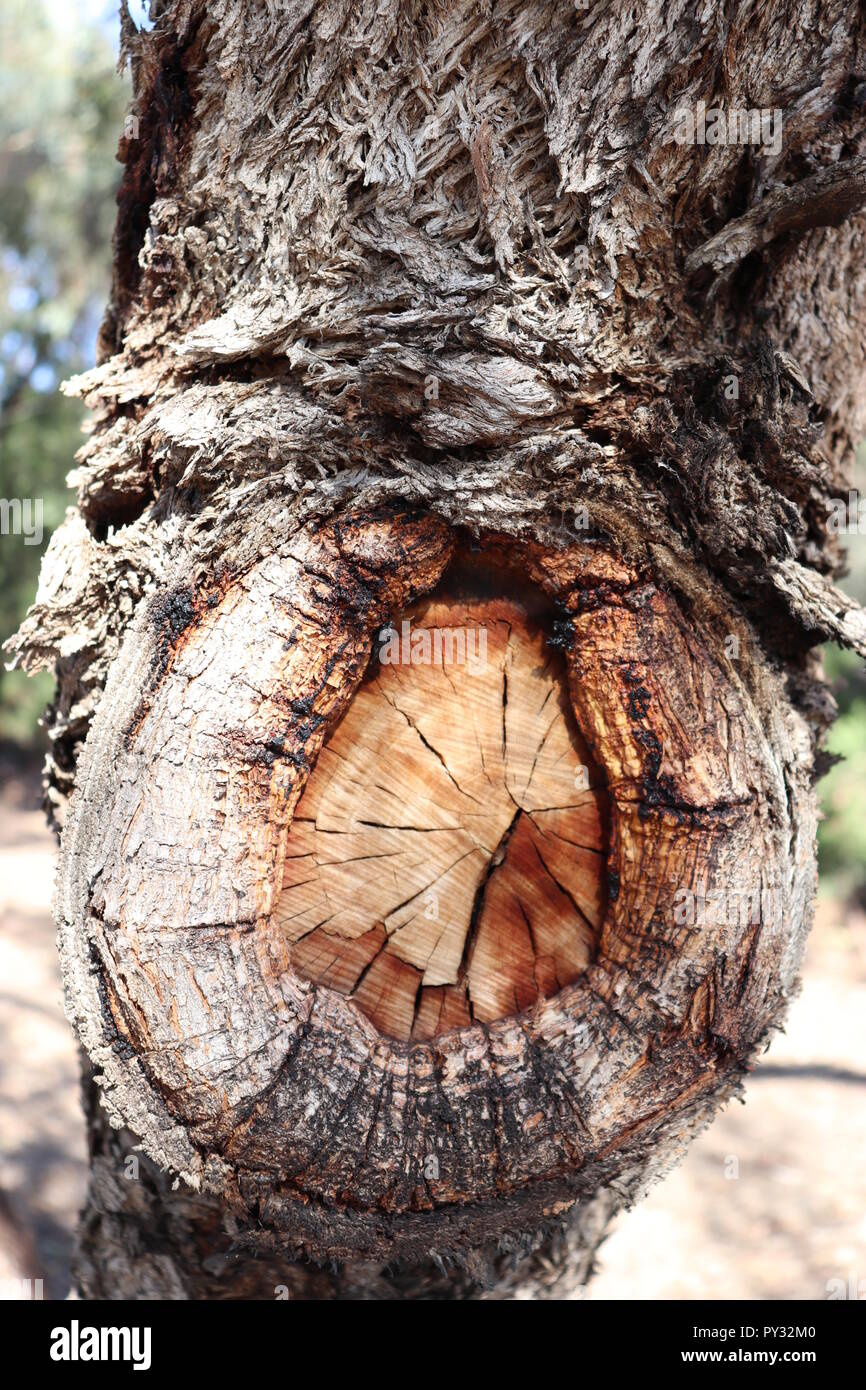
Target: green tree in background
62	107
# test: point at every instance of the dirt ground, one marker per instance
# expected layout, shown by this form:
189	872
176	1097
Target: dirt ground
769	1203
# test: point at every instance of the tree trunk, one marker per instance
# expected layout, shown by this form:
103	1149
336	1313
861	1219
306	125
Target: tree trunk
530	327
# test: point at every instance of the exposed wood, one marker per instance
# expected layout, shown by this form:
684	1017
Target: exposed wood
445	862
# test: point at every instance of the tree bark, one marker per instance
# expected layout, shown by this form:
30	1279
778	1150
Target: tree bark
398	291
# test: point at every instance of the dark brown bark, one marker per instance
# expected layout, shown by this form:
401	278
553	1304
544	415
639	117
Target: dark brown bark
142	1238
386	284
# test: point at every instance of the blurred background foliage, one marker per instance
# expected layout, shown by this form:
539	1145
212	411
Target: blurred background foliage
842	835
62	106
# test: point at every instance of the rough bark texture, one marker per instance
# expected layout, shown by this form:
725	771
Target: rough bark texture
387	279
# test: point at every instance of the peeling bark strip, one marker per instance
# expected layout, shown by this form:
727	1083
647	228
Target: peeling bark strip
399	290
826	199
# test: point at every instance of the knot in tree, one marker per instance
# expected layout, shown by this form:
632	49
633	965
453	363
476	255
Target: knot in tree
438	707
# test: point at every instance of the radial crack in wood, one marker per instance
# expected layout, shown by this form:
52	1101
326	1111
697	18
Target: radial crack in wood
446	861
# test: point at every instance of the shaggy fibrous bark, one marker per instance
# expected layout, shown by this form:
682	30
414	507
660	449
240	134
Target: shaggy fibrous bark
391	284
